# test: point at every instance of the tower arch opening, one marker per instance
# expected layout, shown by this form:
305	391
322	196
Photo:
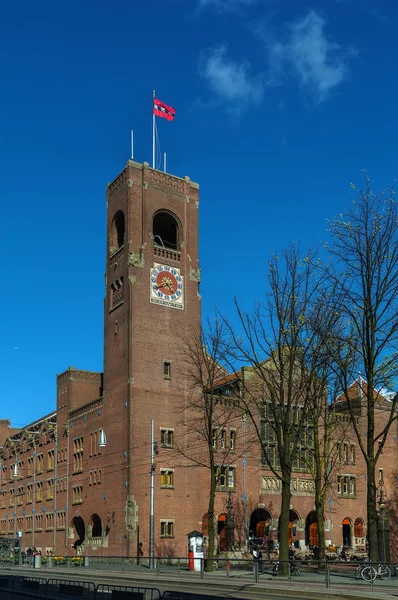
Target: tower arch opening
78	525
166	230
117	233
96	525
260	520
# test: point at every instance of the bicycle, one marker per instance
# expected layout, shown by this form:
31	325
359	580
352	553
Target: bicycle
369	573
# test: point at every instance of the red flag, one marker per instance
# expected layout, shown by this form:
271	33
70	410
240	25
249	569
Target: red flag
160	109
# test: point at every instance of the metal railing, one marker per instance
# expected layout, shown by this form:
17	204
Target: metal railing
316	574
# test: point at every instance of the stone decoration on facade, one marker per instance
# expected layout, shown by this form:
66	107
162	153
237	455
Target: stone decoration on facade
299	486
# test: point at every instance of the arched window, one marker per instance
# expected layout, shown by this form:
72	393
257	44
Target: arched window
116	239
96	524
166	231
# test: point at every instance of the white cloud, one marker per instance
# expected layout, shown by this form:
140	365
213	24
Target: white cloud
231	81
316	60
225	5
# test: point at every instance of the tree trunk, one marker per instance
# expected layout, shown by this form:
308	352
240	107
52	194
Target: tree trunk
210	521
284	524
319	508
372	512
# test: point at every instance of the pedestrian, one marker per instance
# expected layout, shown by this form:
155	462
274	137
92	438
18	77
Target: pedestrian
257	560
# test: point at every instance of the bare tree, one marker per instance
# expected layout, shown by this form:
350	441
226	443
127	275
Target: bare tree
365	249
277	342
208	413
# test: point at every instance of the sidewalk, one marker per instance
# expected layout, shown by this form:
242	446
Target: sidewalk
218	582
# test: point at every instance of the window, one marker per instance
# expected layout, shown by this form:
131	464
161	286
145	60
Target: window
61	520
166	478
346	486
167	438
116	238
21	469
29	493
3	499
50	489
345	453
50	460
39	523
353	454
117	292
12	495
39	464
77	494
20	496
165	231
214	439
78	455
49	522
29	521
166	529
166	369
381	476
223	439
225	478
39	491
232	439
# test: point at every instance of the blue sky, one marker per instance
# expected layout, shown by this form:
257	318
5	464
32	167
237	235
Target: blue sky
280	104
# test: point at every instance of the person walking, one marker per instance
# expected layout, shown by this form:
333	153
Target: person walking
257	559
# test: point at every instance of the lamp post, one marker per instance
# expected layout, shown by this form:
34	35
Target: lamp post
383	539
230	522
15	475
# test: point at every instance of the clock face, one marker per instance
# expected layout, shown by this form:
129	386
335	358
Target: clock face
167	286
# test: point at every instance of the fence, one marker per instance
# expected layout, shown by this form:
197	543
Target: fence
18	587
358	576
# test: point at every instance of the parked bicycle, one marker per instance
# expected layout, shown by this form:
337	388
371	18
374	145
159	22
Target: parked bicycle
369	573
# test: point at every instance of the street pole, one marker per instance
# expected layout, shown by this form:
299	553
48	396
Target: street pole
244	497
151	518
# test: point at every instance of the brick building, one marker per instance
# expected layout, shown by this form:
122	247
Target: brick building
67	492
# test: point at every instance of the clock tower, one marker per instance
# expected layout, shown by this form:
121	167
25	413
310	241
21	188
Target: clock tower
152	302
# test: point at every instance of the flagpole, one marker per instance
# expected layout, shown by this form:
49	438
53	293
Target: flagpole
153	134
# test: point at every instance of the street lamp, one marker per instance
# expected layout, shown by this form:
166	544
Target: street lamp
384	554
230	522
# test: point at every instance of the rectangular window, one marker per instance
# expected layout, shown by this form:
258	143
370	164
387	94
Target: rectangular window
29	521
61	520
353	454
167	438
345	453
214	439
39	523
225	478
78	455
166	478
50	460
39	464
117	292
29	493
346	486
223	439
50	489
49	522
78	494
21	469
232	439
166	369
166	529
381	476
20	496
39	491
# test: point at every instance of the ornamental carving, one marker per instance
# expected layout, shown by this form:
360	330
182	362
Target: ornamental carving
163	180
298	486
118	182
194	274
